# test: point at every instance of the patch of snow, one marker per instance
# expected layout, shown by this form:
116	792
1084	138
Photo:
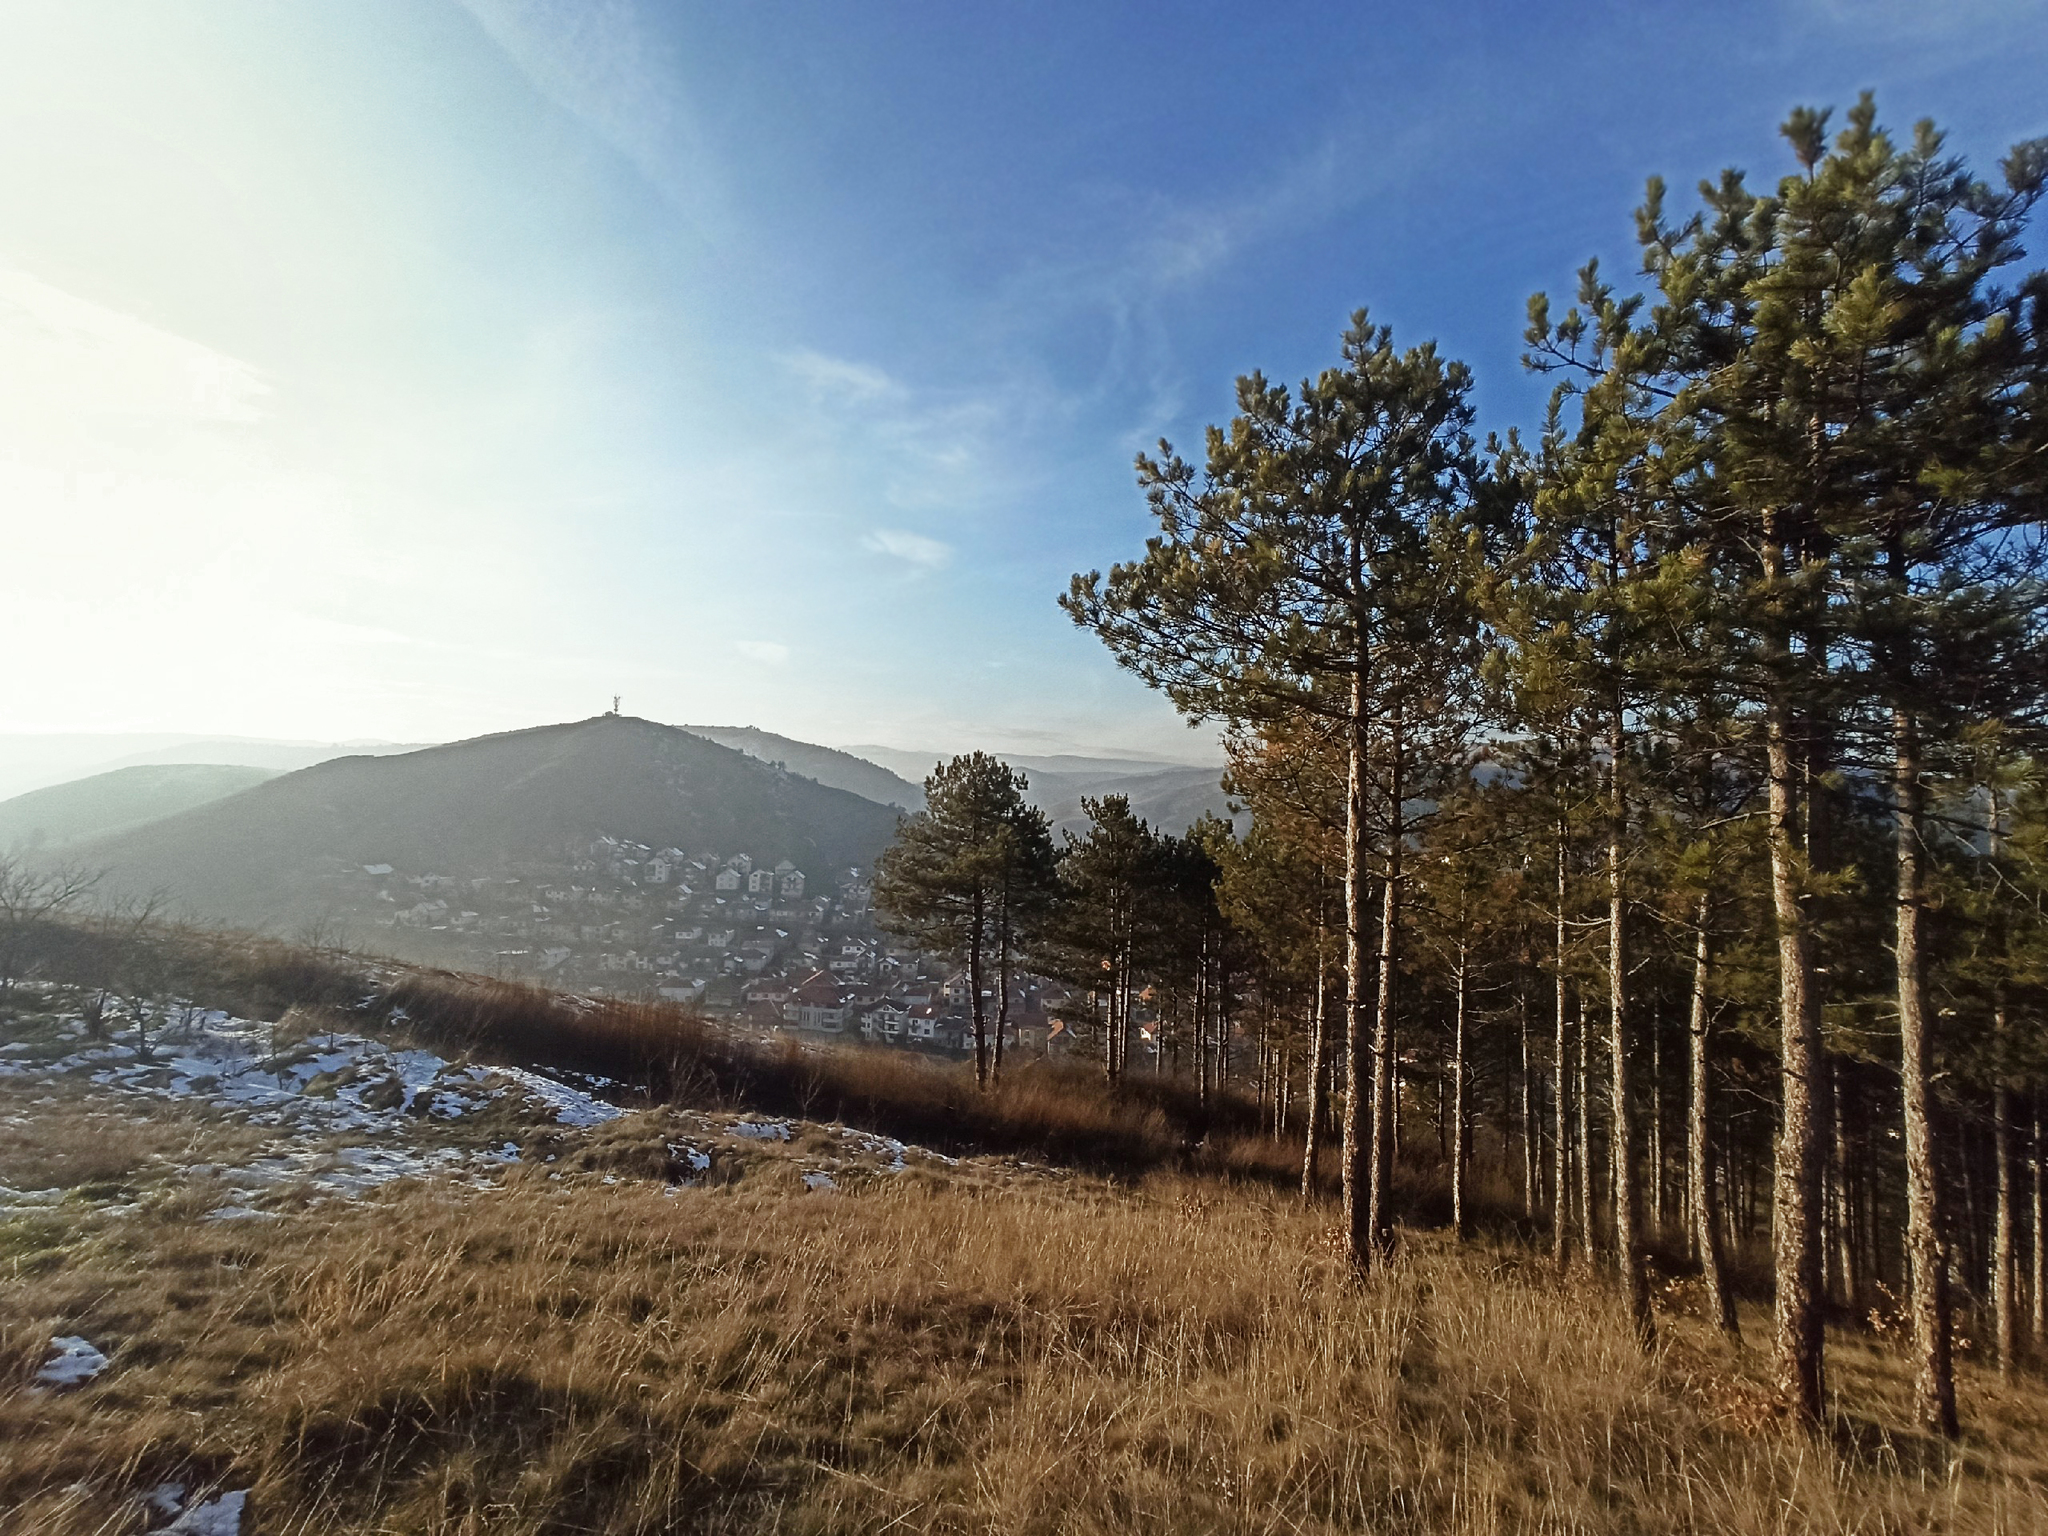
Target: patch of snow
567	1105
819	1179
761	1130
165	1498
73	1361
239	1213
877	1146
220	1516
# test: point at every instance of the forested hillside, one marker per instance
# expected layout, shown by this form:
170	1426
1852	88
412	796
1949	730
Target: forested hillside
1653	815
484	806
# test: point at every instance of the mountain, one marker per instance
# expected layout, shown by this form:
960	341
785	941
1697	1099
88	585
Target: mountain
113	802
913	766
1171	799
828	765
534	798
1172	796
34	761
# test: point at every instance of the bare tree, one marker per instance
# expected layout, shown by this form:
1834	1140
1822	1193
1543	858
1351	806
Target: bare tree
33	897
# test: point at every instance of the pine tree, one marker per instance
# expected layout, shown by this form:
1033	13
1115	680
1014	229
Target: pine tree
1807	345
966	876
1319	564
1100	933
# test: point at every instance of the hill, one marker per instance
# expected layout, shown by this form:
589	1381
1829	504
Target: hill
40	760
828	765
1171	799
1171	796
534	797
113	802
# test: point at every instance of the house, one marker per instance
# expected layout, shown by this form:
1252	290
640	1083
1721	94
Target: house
773	992
728	879
761	883
789	881
1030	1030
885	1022
819	1001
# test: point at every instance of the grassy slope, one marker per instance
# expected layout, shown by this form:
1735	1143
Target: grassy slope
981	1348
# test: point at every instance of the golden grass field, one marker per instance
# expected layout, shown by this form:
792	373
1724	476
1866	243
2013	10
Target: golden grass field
981	1348
607	1336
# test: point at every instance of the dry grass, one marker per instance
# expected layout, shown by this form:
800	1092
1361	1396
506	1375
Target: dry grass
923	1352
1057	1110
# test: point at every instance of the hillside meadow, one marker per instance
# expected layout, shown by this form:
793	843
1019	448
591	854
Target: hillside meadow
612	1336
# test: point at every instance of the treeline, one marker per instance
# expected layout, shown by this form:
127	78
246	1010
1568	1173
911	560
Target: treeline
1661	802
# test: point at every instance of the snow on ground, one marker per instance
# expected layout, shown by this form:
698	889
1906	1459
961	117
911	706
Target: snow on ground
346	1114
218	1516
73	1362
349	1113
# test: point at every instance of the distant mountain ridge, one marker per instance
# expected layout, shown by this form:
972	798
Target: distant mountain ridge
1171	796
271	853
40	760
828	765
106	803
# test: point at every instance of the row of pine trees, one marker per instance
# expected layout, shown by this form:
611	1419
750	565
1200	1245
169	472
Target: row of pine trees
1661	807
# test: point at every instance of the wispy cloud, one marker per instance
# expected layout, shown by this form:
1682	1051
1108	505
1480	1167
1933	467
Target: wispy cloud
936	447
598	60
840	380
64	356
914	548
773	652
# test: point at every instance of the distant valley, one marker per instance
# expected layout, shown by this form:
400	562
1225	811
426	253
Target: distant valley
612	853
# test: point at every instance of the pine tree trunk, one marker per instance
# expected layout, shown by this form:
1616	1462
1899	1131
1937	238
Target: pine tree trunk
1358	1073
1796	1186
1530	1170
978	1008
1461	1216
1844	1084
1003	985
1386	1104
1657	1181
1628	1191
1934	1383
1561	1140
2004	1260
1582	1133
1706	1205
1312	1140
2040	1277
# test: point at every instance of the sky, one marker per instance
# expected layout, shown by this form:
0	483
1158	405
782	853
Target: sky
410	369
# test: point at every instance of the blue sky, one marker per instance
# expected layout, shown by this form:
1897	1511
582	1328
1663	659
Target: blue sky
418	369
